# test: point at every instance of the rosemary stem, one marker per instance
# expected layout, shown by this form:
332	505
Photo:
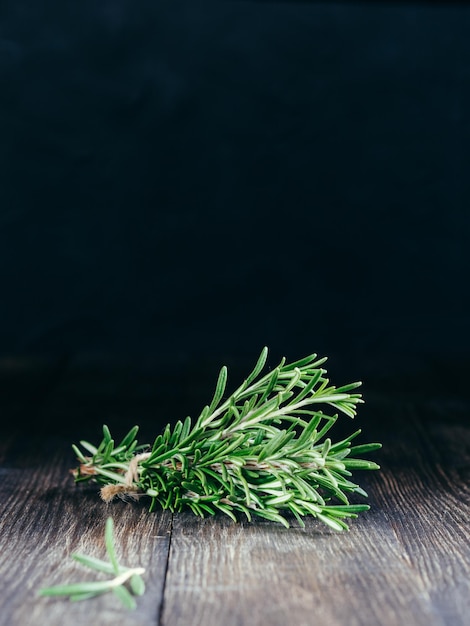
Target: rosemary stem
270	433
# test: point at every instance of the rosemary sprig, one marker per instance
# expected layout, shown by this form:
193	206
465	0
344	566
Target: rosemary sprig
260	451
121	576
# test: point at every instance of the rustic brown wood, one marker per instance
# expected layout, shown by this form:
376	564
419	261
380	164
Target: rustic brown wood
45	517
407	561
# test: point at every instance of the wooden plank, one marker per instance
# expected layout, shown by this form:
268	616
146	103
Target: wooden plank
45	517
405	561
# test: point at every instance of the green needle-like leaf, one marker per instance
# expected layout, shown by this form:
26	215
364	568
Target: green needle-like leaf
97	564
91	589
109	541
219	390
264	449
77	597
77	588
125	597
137	585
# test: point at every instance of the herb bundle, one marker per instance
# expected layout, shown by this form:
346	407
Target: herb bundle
260	451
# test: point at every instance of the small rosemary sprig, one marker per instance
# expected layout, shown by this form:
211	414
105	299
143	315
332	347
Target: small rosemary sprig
121	576
260	451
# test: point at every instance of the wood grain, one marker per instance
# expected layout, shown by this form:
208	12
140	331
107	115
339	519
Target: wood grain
45	519
406	561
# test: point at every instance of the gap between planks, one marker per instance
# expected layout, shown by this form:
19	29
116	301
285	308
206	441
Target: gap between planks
45	519
405	561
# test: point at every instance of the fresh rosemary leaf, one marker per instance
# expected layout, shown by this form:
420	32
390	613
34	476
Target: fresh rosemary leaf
109	542
90	589
260	451
93	563
335	524
219	390
125	597
360	464
79	454
106	434
89	447
137	585
365	449
130	437
76	588
77	597
259	366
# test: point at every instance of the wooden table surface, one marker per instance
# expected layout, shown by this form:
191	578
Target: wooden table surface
406	561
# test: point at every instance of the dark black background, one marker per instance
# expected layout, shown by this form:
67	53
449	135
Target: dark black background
200	179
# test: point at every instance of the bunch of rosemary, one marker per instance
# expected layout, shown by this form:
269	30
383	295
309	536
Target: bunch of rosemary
261	451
